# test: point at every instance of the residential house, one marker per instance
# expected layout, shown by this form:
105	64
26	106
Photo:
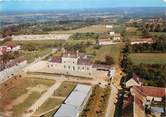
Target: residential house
148	101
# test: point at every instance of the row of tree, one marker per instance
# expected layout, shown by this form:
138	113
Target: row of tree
153	27
158	46
153	75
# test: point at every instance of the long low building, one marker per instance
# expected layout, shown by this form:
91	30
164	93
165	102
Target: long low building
76	64
11	68
42	37
75	102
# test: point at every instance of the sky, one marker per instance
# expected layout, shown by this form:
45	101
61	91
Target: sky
20	5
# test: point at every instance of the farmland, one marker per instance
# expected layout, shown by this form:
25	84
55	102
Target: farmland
111	50
148	58
94	28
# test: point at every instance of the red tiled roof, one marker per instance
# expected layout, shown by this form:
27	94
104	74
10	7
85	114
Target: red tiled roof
104	40
101	66
150	91
73	54
56	59
144	39
11	63
10	44
82	61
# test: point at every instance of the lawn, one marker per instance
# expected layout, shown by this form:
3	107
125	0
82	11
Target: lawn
111	50
13	89
65	89
158	33
148	58
32	55
93	28
50	104
22	107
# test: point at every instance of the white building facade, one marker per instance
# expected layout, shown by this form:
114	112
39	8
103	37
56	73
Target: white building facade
8	72
72	63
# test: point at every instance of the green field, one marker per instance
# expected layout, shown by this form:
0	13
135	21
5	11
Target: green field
148	58
32	55
158	33
111	50
65	89
49	105
93	28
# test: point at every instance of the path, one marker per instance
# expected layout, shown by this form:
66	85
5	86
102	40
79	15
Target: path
115	86
42	99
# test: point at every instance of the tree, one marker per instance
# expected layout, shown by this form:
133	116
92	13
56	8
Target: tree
109	60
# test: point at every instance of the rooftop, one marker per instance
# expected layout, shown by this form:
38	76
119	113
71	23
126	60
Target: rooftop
77	97
67	111
150	91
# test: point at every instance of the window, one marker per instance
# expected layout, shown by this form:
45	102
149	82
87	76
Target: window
64	61
68	67
73	68
78	68
64	66
83	68
87	68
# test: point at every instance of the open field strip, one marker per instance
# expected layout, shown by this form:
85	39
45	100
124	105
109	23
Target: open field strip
93	28
110	50
148	58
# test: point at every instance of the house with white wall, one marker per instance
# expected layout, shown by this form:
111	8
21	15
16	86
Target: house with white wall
11	68
75	63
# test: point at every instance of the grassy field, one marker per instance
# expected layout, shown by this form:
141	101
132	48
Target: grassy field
32	55
50	104
16	95
148	58
158	33
65	89
112	50
22	107
94	29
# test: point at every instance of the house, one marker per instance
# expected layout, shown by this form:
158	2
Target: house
12	46
9	47
134	81
72	61
112	33
75	64
148	100
11	68
75	102
143	41
105	42
109	26
116	37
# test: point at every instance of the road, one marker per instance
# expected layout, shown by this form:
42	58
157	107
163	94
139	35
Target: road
115	86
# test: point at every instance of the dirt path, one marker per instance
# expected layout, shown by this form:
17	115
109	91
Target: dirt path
42	99
115	86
